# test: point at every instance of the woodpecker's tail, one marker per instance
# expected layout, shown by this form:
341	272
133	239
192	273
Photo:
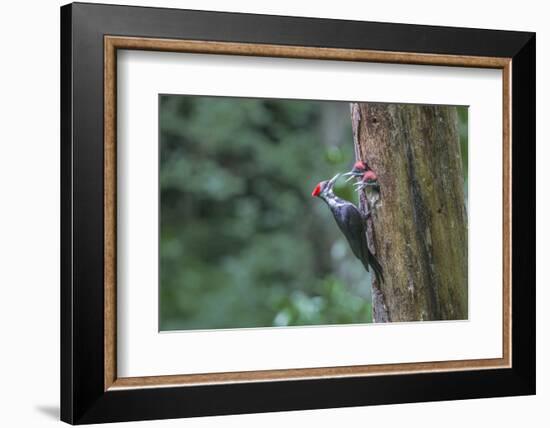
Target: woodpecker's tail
376	267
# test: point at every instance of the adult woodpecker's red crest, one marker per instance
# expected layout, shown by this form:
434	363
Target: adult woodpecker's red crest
317	190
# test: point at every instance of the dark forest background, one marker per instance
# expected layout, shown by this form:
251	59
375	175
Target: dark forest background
242	242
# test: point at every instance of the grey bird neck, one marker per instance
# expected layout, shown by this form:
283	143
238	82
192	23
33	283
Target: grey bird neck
334	201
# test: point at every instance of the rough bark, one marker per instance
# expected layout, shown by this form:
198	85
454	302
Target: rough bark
418	227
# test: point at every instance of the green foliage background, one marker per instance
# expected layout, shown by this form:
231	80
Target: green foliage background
242	242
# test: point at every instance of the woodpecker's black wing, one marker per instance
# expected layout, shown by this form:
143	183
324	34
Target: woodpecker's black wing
350	222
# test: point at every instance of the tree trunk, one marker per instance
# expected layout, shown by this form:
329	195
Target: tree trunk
418	227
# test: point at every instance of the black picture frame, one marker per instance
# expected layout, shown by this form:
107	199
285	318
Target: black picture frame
83	398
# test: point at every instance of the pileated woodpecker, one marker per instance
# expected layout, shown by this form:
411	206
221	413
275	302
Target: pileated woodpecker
369	178
351	223
369	181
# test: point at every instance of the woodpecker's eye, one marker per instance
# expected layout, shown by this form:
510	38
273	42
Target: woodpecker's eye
317	190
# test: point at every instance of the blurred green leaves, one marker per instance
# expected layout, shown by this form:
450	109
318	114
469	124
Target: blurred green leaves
243	243
463	134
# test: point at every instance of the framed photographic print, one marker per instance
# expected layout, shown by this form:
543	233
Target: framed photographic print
264	213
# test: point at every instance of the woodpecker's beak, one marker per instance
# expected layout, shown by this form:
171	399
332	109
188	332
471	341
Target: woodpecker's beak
360	186
352	175
332	181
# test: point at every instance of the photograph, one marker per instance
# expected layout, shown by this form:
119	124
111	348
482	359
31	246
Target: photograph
284	212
